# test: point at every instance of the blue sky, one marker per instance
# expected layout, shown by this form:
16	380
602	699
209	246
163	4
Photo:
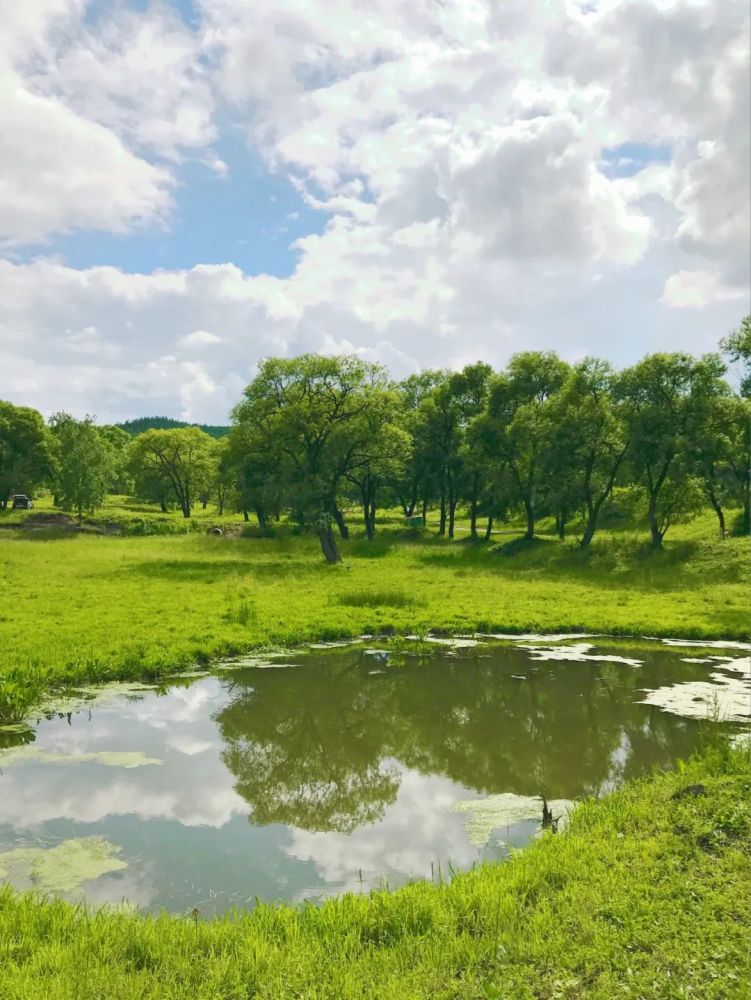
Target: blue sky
249	216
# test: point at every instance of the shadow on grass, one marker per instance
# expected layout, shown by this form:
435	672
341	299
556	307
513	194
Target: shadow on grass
608	562
216	570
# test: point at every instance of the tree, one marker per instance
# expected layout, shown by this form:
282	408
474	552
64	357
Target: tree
257	472
118	441
310	412
85	464
664	397
223	478
416	481
588	443
737	345
26	451
445	415
384	451
179	462
515	425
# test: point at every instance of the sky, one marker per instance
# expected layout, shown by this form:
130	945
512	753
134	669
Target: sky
188	186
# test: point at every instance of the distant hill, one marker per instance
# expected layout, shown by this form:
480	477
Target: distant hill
142	424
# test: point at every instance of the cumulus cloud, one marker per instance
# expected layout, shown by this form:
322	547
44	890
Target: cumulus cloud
696	289
199	339
466	155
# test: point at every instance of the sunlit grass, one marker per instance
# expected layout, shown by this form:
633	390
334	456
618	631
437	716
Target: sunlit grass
80	607
646	895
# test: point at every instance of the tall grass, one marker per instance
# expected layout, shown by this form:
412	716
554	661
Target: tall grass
646	895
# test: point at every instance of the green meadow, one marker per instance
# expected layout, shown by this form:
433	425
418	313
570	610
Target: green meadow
82	607
645	895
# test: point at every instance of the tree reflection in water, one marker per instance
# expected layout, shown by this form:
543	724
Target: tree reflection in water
319	747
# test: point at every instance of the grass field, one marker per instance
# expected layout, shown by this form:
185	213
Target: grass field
85	607
645	896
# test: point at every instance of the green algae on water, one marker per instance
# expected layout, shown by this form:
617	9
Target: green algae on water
109	758
488	814
63	868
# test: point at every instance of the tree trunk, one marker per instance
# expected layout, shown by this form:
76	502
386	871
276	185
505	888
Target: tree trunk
424	513
719	512
163	505
442	521
591	527
452	516
489	529
372	513
185	509
328	542
654	526
473	506
340	522
246	515
530	511
560	524
261	515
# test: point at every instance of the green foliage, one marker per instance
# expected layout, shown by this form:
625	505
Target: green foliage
178	464
314	417
645	895
26	451
516	425
737	346
141	424
85	463
664	397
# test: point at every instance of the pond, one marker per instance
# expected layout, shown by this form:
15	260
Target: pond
301	776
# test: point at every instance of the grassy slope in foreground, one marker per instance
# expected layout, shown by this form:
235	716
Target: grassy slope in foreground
84	608
646	896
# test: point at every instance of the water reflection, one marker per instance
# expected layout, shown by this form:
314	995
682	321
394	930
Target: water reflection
296	783
312	748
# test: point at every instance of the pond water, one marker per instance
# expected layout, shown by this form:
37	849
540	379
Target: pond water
338	769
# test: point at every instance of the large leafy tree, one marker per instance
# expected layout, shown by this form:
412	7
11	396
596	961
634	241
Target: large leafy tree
178	462
445	415
516	425
26	451
85	464
119	443
258	475
417	480
310	413
588	441
665	398
384	450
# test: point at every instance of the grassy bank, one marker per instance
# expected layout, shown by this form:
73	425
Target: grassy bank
81	607
646	895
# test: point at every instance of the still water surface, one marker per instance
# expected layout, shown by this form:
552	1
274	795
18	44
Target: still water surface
336	769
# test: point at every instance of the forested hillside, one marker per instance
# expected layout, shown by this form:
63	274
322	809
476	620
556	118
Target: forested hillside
141	424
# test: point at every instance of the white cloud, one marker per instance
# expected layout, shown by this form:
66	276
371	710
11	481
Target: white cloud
142	75
60	172
697	289
199	339
456	147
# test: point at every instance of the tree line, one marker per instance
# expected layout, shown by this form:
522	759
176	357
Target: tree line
315	435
